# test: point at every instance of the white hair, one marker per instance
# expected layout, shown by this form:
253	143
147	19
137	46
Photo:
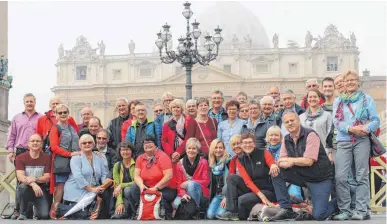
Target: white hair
191	101
122	99
265	99
311	80
167	94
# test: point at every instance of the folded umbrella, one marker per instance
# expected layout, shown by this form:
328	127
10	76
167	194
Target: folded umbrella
81	204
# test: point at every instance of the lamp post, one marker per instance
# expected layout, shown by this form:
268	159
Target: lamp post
187	53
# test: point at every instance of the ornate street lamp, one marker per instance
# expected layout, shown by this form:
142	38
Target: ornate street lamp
187	53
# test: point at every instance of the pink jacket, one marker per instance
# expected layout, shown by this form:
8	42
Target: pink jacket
200	176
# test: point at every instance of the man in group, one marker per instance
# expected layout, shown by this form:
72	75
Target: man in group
274	92
94	125
289	101
23	125
139	129
86	114
33	173
191	107
158	109
309	85
267	105
115	125
241	98
217	111
303	162
167	98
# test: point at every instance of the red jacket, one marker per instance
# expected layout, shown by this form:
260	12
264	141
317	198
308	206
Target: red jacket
168	136
200	176
232	166
124	128
44	124
56	150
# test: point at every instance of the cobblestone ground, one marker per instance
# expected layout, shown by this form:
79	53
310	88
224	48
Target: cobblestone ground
376	219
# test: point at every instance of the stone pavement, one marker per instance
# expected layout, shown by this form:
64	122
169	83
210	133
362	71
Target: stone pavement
376	219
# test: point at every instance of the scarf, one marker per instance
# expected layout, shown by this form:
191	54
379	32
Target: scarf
218	169
351	98
250	126
274	150
346	99
178	127
190	168
150	160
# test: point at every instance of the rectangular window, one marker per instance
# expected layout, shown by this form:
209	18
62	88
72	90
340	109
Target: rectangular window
262	68
145	72
227	68
116	74
332	64
81	72
293	68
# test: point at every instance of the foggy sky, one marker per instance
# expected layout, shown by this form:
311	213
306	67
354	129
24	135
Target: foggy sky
36	29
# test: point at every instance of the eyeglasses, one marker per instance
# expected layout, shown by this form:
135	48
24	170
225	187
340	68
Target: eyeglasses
62	112
350	80
247	143
245	110
310	86
101	138
217	98
87	143
168	100
158	111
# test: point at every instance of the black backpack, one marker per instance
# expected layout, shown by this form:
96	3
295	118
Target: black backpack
187	210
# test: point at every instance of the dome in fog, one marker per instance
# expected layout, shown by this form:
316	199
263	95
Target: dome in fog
234	19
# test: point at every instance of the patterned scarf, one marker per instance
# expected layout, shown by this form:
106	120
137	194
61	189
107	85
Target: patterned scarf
180	125
218	169
346	99
274	150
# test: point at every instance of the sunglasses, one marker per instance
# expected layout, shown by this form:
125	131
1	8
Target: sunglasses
87	143
62	112
245	111
158	111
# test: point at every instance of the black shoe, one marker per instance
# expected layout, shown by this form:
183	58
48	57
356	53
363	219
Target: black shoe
304	216
228	216
284	214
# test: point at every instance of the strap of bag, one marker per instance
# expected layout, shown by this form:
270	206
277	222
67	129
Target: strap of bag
201	131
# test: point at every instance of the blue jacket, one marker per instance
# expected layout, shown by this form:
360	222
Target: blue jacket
149	130
370	114
159	123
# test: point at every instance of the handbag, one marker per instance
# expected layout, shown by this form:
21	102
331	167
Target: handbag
62	164
187	210
377	148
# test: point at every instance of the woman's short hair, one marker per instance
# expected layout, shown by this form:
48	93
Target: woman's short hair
272	129
351	72
86	137
320	95
232	103
243	105
177	102
211	151
246	135
193	142
202	100
235	138
60	106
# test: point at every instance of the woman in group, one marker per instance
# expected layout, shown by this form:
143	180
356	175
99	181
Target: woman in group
123	176
231	126
153	171
316	118
132	116
206	128
192	176
64	145
244	111
355	116
177	131
88	171
253	184
218	159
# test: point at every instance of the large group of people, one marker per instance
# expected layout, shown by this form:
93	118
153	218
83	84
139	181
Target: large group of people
225	157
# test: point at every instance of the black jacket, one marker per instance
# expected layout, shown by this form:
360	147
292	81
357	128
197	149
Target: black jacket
114	128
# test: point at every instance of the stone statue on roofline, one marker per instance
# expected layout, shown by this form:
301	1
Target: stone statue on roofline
308	40
275	40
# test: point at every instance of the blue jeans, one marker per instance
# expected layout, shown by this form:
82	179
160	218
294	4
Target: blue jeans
320	192
26	195
194	190
214	208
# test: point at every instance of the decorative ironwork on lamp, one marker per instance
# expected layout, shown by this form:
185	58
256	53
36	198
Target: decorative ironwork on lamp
187	53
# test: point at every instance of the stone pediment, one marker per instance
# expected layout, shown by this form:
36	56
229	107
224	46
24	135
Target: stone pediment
205	74
82	50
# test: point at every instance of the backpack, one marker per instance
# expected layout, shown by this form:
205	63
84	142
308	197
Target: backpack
8	210
187	210
150	206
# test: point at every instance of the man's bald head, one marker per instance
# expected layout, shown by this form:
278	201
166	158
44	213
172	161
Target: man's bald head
54	101
86	114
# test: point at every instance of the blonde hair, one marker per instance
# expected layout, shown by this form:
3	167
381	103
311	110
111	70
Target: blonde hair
177	102
84	138
60	106
272	129
235	138
351	72
211	156
193	142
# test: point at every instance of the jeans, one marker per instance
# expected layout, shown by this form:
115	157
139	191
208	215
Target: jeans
194	190
240	199
17	201
214	208
350	153
26	195
320	192
168	195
